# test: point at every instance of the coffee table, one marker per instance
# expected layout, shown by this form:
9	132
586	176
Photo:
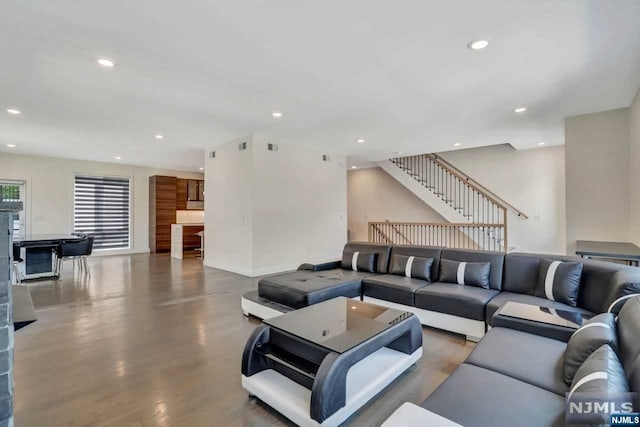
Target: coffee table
320	364
545	321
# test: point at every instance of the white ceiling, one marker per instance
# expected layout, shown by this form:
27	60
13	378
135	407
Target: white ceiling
397	73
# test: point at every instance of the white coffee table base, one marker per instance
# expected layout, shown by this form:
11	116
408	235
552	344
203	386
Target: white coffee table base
365	380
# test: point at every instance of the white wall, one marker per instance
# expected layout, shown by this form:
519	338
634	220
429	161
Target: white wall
634	169
269	211
228	215
598	177
531	180
374	195
49	192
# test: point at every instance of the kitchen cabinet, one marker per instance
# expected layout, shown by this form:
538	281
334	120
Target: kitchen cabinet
190	193
168	194
195	190
162	212
181	194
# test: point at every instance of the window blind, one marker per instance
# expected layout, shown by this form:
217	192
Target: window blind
101	209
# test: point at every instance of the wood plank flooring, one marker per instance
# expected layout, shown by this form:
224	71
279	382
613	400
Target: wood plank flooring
152	341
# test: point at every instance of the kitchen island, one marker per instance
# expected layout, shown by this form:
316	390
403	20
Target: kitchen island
186	240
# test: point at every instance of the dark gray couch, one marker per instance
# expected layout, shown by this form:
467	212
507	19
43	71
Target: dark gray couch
515	378
457	308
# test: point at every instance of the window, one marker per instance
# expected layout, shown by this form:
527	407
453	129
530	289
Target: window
101	209
14	191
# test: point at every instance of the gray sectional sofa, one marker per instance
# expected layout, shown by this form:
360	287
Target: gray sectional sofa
450	306
516	378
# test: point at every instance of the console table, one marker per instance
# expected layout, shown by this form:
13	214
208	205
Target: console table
320	364
622	251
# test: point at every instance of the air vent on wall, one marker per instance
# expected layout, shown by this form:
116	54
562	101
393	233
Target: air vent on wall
272	147
212	155
326	158
242	146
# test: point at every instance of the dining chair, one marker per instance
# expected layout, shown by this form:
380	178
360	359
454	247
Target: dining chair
77	251
17	260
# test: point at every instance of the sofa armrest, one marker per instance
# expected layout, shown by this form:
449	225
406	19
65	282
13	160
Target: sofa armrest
320	267
410	415
624	282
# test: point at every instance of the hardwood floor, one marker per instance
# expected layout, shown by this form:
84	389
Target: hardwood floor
152	341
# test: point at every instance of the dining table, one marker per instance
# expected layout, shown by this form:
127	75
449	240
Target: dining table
39	253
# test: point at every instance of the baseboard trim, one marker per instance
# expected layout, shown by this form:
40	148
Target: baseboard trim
114	252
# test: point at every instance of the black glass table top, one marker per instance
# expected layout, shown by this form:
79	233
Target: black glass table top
46	237
338	324
550	316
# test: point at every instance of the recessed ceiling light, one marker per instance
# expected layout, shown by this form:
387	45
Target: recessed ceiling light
106	62
276	114
477	44
11	145
353	167
201	169
520	110
118	158
360	141
159	136
457	144
541	143
13	111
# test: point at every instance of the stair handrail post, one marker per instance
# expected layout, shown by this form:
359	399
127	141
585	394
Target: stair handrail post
506	242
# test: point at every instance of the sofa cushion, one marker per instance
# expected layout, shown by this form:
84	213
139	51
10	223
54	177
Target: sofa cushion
411	266
628	326
393	288
457	300
600	284
479	397
433	252
383	253
302	288
496	259
465	273
601	373
504	297
559	281
598	331
359	261
602	376
530	358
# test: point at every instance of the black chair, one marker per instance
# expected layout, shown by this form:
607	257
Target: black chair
76	250
17	260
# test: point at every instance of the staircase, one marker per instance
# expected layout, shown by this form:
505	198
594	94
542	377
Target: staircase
477	218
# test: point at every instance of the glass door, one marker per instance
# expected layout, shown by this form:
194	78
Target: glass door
14	191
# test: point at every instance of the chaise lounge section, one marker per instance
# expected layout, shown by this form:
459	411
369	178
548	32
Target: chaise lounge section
516	378
314	283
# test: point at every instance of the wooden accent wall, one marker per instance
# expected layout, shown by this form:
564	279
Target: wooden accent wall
162	211
181	194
